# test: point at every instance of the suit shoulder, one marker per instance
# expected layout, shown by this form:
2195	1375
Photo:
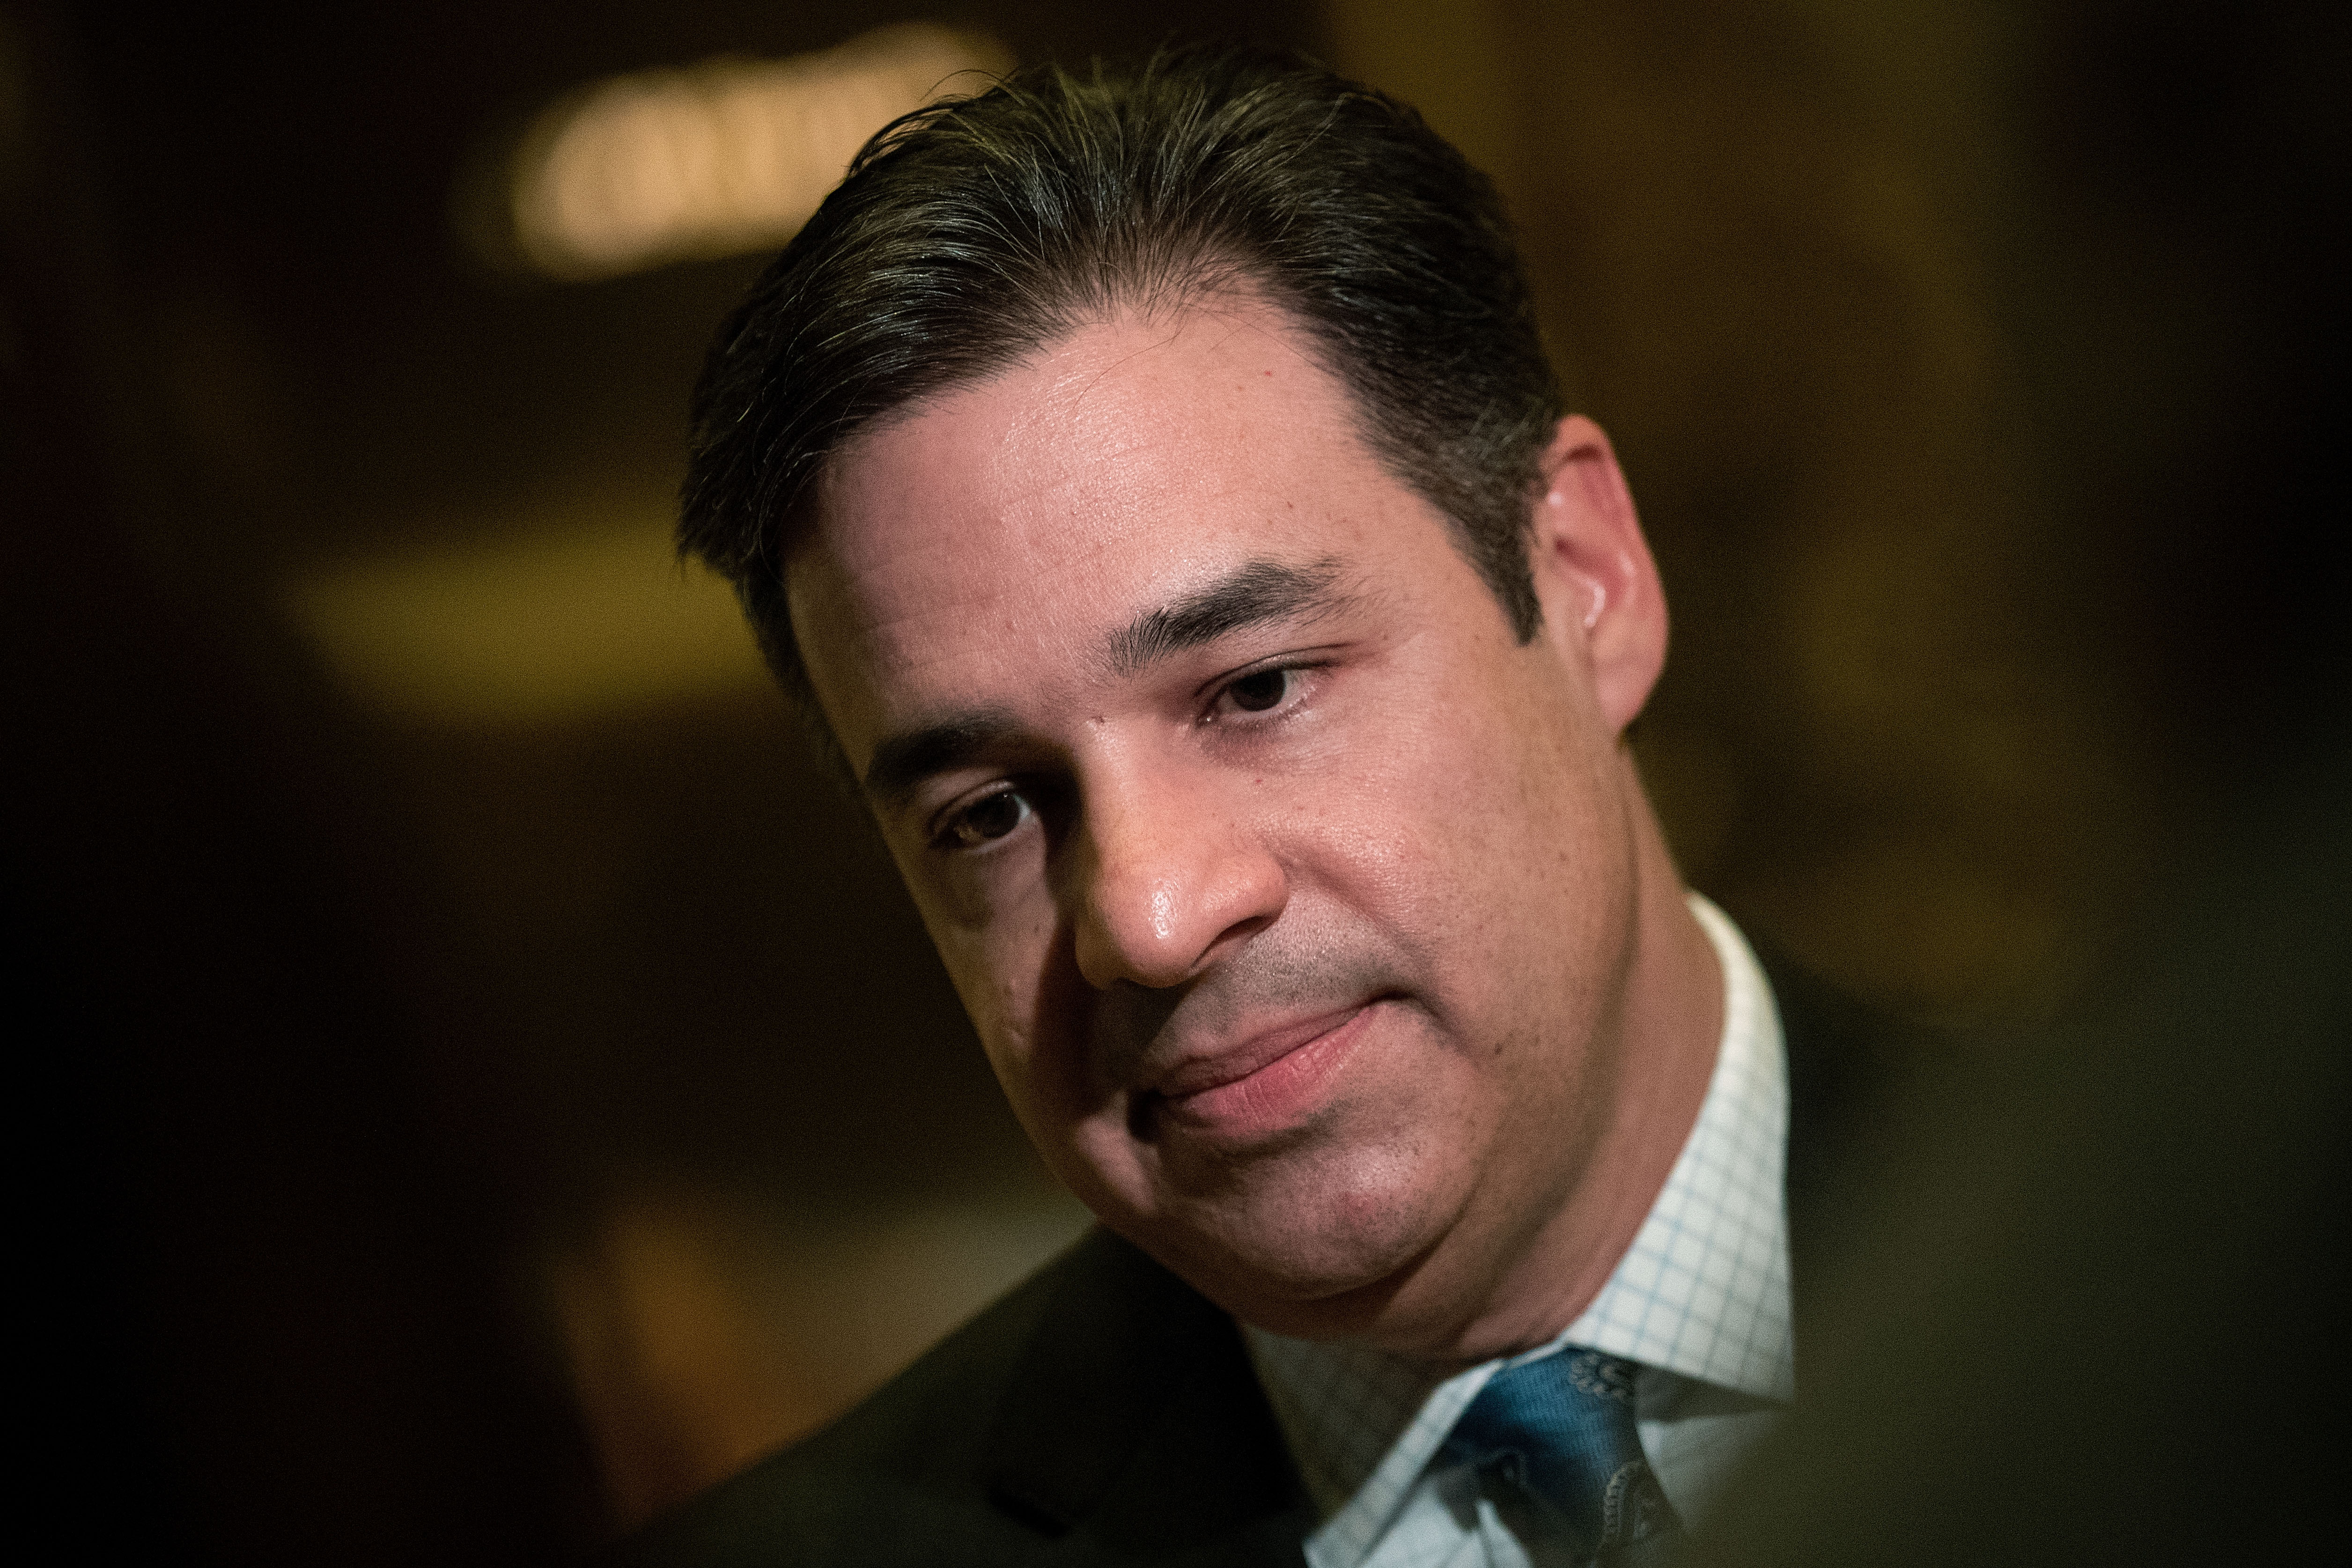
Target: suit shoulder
897	1478
1846	1057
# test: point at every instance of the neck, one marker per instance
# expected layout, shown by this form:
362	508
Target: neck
1667	1030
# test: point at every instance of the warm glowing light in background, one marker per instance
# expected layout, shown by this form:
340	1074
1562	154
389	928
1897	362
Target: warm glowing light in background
703	1333
574	608
574	611
721	158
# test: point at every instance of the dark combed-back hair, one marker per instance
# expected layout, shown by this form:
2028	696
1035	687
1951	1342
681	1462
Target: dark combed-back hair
974	233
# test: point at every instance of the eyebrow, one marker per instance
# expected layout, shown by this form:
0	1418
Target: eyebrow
1251	594
1255	593
901	762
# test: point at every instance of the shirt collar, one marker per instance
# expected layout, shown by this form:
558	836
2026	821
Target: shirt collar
1702	1292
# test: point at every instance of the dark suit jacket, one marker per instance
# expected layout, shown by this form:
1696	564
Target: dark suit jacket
1106	1412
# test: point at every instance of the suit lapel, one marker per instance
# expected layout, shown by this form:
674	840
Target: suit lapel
1844	1058
1135	1427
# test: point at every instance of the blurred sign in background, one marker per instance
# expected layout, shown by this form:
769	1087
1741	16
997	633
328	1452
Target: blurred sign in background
519	1093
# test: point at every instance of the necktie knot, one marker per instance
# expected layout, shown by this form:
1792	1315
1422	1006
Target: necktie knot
1561	1428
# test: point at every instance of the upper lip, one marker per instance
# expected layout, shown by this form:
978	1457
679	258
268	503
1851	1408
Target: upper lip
1239	1054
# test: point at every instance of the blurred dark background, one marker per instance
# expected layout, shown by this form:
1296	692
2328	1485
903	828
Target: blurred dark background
481	1084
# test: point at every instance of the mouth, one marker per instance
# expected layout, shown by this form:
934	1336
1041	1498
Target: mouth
1267	1082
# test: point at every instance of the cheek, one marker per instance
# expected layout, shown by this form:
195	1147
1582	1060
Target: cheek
986	941
1013	976
1417	816
1479	835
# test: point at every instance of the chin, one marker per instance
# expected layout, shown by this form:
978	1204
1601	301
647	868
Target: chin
1324	1262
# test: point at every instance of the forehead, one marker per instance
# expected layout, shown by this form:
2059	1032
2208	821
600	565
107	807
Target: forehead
992	537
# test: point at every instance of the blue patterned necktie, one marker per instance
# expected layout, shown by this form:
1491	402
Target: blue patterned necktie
1561	1429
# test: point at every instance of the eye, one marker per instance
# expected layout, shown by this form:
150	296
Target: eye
1261	690
986	820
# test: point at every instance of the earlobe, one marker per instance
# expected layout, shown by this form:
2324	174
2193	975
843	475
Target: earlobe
1593	574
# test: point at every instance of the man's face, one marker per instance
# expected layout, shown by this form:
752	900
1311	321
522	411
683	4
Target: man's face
1289	893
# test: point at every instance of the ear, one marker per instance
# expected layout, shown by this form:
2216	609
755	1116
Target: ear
1602	606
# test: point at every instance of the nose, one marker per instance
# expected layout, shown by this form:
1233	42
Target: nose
1167	878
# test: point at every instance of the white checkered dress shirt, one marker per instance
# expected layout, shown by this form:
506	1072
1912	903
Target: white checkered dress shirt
1699	1303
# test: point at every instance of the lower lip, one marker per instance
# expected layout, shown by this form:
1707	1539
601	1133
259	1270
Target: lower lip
1280	1094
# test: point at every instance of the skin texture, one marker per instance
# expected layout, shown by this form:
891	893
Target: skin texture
1320	932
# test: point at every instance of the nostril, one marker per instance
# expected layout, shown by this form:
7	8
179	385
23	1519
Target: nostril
1139	937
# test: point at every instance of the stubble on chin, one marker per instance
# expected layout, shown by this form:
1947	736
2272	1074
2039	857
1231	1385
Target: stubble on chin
1309	1231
